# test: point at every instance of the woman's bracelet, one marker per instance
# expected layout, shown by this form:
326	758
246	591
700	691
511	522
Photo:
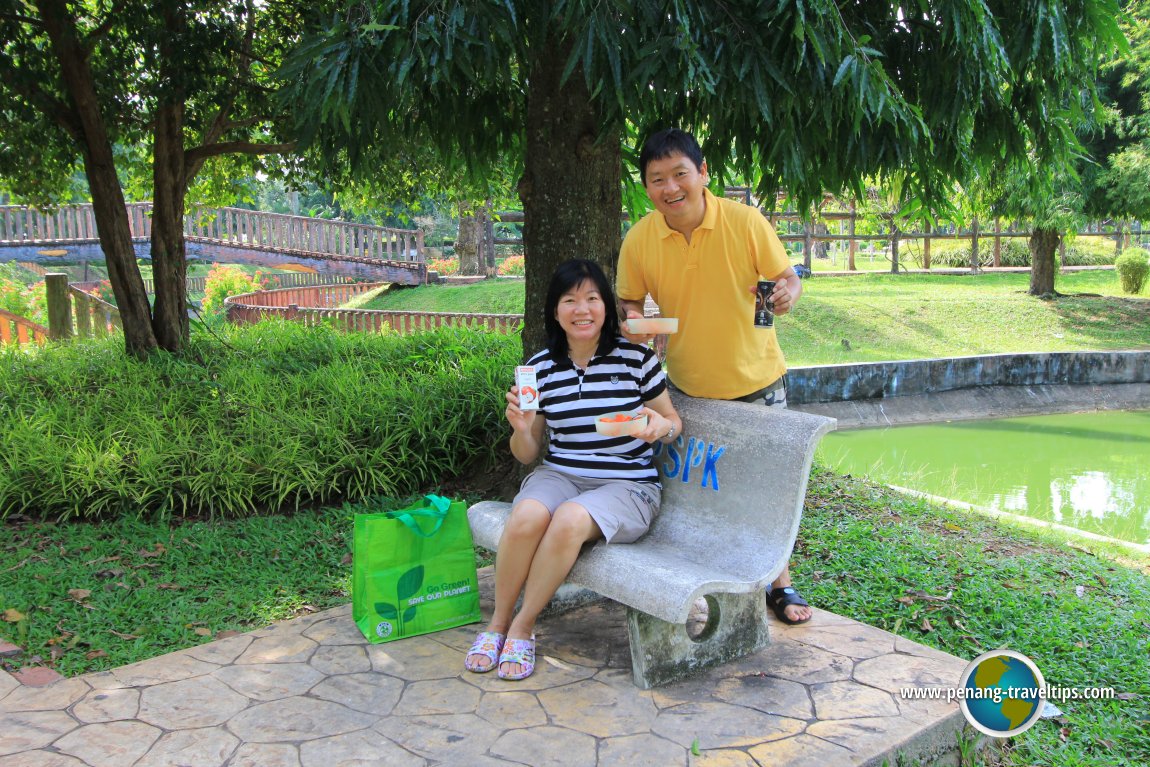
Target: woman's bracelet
670	435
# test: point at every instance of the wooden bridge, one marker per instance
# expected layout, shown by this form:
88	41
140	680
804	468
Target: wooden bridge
316	305
232	235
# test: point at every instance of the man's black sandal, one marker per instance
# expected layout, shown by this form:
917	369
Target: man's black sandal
780	597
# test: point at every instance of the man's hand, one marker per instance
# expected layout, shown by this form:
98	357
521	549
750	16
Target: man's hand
788	288
632	314
782	300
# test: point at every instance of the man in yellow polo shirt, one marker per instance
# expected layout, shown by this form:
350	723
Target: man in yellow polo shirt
701	257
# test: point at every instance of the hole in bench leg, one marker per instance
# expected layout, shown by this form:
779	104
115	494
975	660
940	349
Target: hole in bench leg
703	620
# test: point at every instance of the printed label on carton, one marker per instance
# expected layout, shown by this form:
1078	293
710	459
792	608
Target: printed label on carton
528	388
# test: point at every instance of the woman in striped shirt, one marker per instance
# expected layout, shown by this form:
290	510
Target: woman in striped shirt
589	486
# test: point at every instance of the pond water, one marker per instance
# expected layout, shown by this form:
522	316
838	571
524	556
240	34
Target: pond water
1088	471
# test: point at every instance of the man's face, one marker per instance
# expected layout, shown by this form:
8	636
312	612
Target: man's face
675	186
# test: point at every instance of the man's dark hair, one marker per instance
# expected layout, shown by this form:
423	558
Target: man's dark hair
666	143
568	276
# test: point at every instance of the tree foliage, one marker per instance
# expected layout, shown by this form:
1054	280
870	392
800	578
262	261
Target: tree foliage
131	88
814	96
811	95
1115	180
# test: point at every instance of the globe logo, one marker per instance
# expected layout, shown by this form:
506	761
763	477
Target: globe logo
383	629
1003	693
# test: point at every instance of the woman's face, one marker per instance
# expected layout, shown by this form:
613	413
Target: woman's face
581	312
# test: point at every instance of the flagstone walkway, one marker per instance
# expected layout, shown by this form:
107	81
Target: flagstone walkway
311	692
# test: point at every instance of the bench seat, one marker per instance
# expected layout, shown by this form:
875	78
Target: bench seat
733	489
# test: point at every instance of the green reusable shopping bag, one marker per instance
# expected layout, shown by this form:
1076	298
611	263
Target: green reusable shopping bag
413	570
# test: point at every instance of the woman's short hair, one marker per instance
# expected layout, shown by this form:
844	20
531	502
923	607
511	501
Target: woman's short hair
666	143
566	277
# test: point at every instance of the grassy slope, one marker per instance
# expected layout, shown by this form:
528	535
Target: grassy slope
884	316
488	297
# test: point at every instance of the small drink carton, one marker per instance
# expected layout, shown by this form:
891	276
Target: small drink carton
528	387
764	307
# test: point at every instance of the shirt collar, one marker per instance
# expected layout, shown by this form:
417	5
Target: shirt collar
710	216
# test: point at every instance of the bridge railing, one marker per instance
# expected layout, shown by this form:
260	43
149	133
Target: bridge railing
315	306
66	224
278	231
92	316
199	284
235	227
15	329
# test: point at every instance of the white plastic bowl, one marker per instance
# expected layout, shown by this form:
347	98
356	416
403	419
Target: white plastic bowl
653	325
610	428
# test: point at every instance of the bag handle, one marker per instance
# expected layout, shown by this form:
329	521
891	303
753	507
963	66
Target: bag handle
437	511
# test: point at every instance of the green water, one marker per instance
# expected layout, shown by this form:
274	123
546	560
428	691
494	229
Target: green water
1089	471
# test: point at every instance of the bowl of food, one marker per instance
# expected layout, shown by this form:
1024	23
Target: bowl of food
621	424
652	325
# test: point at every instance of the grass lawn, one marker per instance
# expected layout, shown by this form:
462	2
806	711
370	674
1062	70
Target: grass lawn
883	316
878	316
865	261
502	296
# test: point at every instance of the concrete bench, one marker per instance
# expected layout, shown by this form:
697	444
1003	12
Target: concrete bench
733	490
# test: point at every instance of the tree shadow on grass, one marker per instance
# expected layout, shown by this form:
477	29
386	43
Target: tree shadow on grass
1110	322
865	332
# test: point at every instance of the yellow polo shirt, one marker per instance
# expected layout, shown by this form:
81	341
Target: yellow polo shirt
718	353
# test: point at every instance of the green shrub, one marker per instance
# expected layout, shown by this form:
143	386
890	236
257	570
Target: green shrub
24	300
224	281
1132	267
515	266
268	416
1016	252
1089	251
104	292
443	265
955	254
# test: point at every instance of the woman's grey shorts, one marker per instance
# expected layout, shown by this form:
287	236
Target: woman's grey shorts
623	510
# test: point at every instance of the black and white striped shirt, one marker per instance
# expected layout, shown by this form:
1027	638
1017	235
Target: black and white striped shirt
571	400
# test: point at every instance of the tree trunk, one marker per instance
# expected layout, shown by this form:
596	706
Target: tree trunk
469	242
108	206
169	262
926	246
822	247
975	259
572	166
852	243
894	239
1043	244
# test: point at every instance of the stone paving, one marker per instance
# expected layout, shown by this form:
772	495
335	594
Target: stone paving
311	692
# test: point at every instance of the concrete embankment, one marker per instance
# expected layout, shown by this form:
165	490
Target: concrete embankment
875	394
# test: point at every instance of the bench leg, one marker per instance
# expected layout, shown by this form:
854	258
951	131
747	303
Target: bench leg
663	652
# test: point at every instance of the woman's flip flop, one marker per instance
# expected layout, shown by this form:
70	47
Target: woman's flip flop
521	651
488	644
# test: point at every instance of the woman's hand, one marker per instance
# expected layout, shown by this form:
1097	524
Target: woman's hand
520	420
658	426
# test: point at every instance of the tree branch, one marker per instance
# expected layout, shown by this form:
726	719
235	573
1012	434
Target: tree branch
94	36
219	124
29	20
249	122
201	153
52	108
